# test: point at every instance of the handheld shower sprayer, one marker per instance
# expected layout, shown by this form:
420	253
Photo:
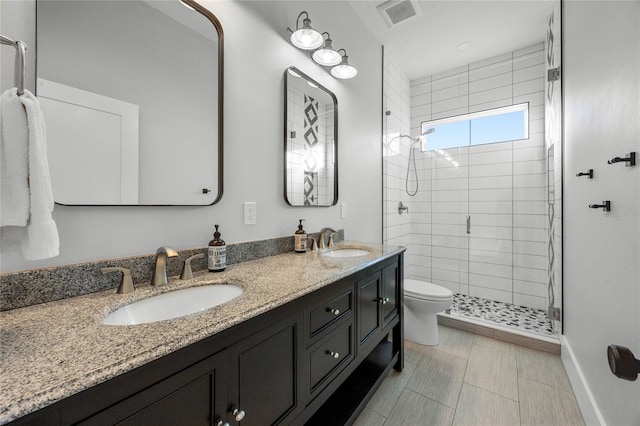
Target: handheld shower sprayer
412	159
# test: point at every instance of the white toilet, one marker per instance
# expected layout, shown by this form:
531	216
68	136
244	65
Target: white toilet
422	302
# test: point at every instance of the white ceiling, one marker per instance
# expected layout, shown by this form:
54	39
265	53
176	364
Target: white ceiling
427	44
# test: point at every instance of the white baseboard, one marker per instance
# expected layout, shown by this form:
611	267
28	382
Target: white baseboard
586	401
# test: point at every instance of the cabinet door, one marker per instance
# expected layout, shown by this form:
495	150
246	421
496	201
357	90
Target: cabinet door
368	306
264	387
390	294
195	396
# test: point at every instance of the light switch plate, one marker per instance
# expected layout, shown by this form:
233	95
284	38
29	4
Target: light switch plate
343	211
250	213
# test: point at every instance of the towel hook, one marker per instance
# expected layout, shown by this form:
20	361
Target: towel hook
21	50
629	160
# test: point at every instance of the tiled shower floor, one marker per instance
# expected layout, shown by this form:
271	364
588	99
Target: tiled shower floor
506	314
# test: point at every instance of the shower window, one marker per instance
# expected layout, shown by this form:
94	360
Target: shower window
490	126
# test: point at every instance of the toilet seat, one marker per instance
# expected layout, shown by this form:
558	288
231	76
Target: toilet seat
426	291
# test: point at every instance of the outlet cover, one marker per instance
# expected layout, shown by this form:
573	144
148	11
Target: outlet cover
250	213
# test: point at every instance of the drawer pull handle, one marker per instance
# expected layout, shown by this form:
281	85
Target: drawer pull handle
334	355
335	312
238	414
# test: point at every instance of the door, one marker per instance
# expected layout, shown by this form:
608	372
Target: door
263	390
368	306
195	396
601	249
390	280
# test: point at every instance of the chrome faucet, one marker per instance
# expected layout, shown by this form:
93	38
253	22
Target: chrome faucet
321	244
159	275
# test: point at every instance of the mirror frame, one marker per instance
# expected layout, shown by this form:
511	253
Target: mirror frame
220	135
335	138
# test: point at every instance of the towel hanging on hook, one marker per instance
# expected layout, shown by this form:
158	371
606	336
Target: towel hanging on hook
21	49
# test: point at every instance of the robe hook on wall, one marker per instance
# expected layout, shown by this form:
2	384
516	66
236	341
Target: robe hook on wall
606	205
588	173
630	160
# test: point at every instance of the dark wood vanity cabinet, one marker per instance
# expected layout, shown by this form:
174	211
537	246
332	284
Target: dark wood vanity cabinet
378	295
194	396
315	360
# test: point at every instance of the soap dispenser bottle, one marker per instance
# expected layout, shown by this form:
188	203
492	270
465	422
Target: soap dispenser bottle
300	239
217	259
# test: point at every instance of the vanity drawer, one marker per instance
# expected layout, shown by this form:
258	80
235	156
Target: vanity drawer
329	355
329	312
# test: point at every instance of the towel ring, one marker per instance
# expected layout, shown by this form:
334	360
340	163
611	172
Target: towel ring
21	49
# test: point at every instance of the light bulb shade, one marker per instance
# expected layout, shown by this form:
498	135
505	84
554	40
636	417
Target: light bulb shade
326	55
344	70
307	38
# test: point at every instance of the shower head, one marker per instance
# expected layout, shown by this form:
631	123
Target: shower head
428	131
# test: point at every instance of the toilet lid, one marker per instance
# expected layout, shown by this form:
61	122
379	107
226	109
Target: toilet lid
426	291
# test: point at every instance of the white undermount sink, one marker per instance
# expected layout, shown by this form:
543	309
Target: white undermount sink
173	304
345	252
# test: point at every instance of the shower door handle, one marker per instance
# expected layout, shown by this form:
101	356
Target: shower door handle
468	224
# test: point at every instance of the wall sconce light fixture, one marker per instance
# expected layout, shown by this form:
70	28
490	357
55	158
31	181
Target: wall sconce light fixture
326	55
344	70
306	38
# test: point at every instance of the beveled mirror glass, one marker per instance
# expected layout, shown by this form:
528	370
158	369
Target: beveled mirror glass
131	92
311	142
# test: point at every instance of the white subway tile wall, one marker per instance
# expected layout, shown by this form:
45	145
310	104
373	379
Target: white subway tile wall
396	101
501	186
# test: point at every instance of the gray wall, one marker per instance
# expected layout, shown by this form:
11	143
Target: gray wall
254	64
601	60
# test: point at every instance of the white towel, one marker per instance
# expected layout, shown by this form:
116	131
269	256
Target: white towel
14	143
42	240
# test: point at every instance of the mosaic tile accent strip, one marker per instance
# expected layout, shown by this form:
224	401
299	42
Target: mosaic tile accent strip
507	314
310	139
26	288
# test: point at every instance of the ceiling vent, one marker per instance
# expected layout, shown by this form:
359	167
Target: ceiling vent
396	11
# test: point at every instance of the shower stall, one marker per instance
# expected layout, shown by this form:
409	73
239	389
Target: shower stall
482	212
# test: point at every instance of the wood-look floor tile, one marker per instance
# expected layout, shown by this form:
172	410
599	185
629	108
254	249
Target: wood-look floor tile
386	396
493	370
480	407
547	405
542	367
369	418
499	345
414	409
438	376
455	342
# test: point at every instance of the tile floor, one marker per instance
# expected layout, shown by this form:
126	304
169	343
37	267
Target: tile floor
470	379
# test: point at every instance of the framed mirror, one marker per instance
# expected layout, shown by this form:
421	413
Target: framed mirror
310	142
132	95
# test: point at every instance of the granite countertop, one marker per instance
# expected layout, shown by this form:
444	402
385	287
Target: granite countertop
53	350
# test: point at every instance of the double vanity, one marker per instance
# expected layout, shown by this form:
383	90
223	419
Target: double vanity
300	339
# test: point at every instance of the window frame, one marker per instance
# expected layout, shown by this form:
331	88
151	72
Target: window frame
524	107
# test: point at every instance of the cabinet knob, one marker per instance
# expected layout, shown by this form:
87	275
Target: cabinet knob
335	312
334	355
238	414
384	300
221	423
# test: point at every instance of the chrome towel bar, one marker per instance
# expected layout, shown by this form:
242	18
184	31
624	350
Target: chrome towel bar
21	49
